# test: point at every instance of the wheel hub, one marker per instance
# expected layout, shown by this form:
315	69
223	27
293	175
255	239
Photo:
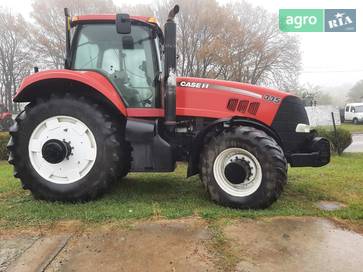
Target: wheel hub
62	149
55	151
238	171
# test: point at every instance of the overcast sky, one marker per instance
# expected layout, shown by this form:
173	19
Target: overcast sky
329	59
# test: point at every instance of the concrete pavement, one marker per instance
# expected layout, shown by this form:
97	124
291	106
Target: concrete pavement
270	244
357	144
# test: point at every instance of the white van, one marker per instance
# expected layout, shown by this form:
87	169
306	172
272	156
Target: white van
354	113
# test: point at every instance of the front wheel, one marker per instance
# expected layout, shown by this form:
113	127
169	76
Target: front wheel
66	149
243	168
355	121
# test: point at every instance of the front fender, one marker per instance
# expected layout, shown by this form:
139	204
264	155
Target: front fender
96	81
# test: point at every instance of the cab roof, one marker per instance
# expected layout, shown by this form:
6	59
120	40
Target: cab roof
108	18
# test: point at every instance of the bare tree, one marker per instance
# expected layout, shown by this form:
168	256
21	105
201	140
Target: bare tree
16	55
233	42
314	95
355	94
256	51
49	25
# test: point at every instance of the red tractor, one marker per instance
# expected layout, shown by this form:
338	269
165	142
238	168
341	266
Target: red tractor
6	119
118	107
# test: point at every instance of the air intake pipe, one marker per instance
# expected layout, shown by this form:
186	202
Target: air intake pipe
170	69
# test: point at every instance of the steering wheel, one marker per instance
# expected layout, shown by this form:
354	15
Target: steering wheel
145	101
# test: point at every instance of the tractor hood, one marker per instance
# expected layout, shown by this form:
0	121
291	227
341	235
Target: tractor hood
222	99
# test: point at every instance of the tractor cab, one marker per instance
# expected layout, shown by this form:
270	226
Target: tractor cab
130	60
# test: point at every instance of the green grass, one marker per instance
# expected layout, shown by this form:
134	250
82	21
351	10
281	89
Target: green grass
171	195
352	128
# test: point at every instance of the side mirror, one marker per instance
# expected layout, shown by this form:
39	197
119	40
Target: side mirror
123	23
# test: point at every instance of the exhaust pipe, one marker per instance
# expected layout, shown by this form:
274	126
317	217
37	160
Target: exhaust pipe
170	70
68	39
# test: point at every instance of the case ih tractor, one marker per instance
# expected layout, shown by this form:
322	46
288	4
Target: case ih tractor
118	107
6	119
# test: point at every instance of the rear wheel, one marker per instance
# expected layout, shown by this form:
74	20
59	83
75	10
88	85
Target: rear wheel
66	149
243	168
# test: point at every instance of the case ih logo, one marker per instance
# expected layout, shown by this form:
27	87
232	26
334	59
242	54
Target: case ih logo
194	84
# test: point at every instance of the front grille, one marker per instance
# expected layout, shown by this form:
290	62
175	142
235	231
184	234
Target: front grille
291	112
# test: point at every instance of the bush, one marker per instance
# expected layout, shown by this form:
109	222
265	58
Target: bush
4	139
338	143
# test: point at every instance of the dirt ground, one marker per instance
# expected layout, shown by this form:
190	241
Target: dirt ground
190	244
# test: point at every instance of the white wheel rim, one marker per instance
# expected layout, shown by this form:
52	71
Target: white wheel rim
82	141
246	187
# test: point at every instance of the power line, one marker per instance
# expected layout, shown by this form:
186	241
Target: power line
332	71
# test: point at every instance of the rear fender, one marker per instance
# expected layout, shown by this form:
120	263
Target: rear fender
62	80
216	127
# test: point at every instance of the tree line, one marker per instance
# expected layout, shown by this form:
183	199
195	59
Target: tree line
238	41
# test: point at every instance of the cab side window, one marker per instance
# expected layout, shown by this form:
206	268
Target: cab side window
129	61
347	108
352	109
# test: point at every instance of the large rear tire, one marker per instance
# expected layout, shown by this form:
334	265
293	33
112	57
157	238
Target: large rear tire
244	168
89	152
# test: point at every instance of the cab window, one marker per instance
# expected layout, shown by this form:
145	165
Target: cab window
129	61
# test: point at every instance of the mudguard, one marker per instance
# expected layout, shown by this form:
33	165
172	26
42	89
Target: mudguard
30	85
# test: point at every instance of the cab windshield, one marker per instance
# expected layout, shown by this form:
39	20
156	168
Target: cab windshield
128	60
